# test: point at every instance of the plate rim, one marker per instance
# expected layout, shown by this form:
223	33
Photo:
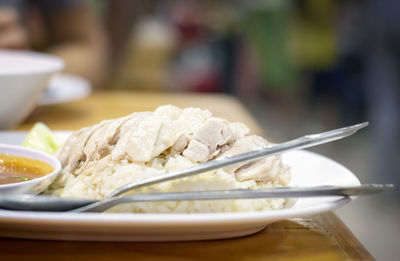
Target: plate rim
167	218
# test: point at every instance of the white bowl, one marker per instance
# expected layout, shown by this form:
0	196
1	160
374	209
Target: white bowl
23	78
33	186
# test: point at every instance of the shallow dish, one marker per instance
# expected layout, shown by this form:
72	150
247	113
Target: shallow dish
65	88
36	185
308	169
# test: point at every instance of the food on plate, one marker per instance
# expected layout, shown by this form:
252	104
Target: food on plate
15	169
98	159
41	138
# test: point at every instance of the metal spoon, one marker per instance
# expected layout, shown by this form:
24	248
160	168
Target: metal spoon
48	203
59	204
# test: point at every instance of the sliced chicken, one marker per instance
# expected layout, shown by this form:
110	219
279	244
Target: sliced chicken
197	151
104	139
71	154
193	133
212	135
269	169
238	129
261	170
129	134
242	145
180	144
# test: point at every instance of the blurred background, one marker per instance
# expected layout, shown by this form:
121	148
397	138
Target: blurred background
299	66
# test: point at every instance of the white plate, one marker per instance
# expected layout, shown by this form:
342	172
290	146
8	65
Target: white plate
308	169
65	88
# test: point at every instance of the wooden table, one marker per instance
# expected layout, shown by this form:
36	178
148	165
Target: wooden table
320	237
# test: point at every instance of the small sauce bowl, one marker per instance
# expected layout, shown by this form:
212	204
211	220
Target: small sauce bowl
36	185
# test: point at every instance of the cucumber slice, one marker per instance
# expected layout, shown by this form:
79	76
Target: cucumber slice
42	138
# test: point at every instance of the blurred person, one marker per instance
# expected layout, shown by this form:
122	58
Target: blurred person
383	86
65	28
120	18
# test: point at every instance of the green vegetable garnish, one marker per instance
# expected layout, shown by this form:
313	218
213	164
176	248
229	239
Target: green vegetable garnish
42	138
23	178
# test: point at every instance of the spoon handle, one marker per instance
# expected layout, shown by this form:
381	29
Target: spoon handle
299	143
284	192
